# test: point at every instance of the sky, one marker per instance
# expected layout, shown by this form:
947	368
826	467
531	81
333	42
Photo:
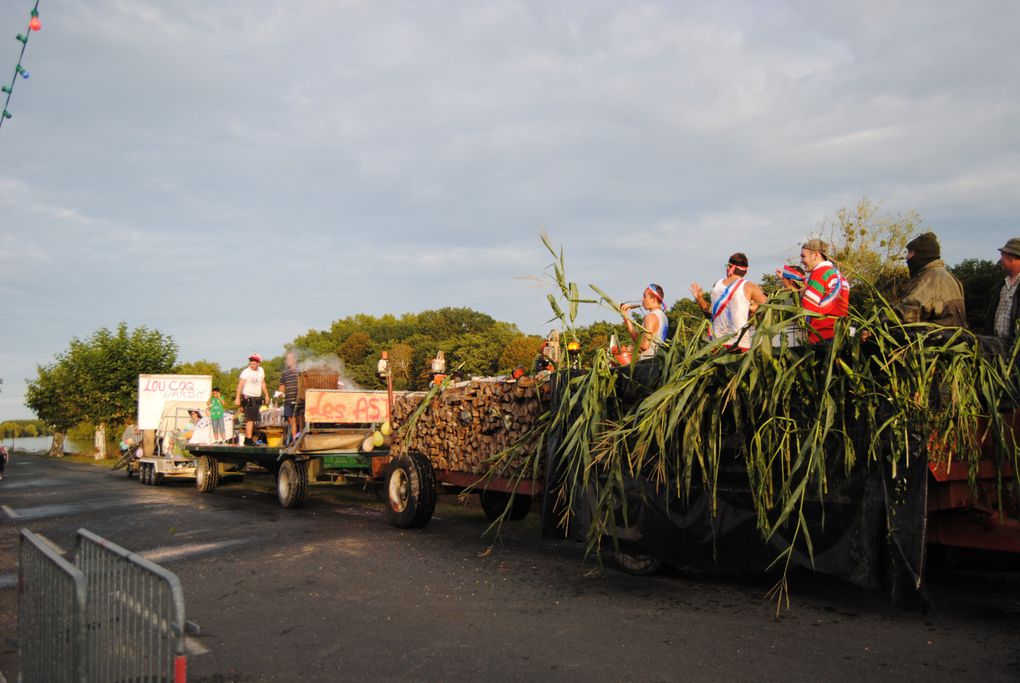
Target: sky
235	173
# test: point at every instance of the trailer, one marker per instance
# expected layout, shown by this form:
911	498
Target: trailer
338	438
347	436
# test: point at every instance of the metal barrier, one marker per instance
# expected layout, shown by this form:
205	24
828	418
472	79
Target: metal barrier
135	614
111	616
51	610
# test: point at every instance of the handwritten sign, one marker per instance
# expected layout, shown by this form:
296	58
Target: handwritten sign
155	390
345	407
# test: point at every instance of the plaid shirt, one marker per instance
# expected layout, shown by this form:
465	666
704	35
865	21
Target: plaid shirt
1002	312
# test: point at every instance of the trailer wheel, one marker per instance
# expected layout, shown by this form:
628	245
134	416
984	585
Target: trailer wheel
411	491
207	474
494	503
637	564
291	483
157	477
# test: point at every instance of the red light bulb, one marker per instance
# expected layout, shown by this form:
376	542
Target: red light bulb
34	23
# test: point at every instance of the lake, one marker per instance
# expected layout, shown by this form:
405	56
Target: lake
42	443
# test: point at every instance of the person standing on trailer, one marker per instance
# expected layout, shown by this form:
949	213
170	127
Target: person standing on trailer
825	292
289	388
933	295
655	323
1004	304
251	389
733	301
216	410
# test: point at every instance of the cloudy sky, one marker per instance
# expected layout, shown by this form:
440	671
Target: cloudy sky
236	172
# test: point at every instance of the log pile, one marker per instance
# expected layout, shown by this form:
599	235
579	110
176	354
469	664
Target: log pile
468	423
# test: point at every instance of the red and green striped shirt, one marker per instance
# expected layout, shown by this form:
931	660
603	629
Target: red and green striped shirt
828	293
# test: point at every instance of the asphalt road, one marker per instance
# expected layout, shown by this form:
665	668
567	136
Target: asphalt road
331	592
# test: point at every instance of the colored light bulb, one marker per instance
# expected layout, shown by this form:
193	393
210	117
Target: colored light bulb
34	22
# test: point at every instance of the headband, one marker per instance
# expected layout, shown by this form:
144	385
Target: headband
791	273
651	290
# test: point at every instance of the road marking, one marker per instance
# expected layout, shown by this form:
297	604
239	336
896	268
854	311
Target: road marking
189	550
9	512
194	647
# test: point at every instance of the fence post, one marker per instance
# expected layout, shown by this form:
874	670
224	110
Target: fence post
135	613
51	611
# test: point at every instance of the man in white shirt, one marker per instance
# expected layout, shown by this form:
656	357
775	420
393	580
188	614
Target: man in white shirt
251	387
733	301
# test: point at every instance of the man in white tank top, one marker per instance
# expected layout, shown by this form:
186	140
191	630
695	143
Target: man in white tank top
733	300
655	324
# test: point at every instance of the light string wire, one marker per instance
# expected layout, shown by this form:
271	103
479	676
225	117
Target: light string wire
18	69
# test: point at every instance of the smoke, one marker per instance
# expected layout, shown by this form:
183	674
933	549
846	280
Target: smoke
307	360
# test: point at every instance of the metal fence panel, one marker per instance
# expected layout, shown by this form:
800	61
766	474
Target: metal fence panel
51	607
135	614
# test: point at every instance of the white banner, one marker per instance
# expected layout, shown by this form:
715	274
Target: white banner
155	390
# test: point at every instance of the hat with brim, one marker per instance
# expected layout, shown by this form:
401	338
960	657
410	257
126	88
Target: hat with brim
1012	247
816	245
255	357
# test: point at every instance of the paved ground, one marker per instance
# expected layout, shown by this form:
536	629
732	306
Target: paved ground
332	592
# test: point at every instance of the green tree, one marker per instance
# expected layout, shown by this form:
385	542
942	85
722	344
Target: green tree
520	351
868	247
978	277
96	379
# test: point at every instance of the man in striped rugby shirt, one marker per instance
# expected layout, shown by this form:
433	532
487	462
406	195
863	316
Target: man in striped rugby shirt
825	292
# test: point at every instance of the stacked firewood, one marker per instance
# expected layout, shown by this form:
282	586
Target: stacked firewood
467	424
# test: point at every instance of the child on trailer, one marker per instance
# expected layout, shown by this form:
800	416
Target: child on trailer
216	409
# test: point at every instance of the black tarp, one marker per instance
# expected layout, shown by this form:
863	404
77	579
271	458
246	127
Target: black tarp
869	529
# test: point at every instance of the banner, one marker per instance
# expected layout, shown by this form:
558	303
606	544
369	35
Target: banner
156	390
345	407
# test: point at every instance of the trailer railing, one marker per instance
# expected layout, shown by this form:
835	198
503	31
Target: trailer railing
51	614
111	616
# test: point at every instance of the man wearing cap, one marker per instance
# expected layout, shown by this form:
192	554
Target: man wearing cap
733	300
252	386
655	325
1001	318
933	295
825	292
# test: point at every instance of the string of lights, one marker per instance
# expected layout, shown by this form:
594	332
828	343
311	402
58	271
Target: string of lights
33	25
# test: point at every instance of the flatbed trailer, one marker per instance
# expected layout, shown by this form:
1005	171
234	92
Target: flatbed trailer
350	418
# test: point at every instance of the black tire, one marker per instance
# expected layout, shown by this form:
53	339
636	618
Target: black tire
157	477
207	474
411	491
292	483
494	503
637	564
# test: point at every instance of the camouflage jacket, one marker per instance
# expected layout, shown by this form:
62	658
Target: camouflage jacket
933	296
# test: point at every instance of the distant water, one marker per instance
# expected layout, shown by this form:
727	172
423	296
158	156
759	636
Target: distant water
42	443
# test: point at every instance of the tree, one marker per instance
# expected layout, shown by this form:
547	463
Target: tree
48	397
96	379
978	277
355	348
520	351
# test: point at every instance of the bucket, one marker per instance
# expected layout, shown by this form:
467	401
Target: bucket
274	439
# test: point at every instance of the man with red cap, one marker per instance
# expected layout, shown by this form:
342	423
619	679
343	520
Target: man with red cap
252	387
